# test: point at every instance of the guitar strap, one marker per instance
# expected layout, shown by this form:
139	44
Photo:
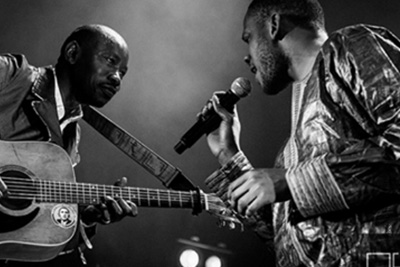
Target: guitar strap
170	176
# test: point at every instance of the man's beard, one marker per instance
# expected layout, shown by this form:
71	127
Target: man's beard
274	71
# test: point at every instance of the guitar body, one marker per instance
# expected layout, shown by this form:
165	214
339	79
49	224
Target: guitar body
32	230
37	218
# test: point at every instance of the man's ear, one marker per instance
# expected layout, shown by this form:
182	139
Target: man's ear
279	27
72	52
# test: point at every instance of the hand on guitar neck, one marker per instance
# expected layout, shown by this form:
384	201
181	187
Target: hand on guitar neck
110	210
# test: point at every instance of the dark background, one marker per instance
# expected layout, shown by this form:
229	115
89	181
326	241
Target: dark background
181	51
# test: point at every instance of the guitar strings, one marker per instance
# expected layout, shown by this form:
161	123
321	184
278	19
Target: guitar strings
22	188
27	189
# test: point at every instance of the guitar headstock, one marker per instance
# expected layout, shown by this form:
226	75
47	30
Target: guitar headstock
226	216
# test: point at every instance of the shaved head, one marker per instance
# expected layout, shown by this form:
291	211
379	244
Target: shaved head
89	36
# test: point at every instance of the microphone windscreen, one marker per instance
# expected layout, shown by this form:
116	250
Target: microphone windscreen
241	87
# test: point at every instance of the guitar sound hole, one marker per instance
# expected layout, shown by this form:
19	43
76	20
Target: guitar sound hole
19	185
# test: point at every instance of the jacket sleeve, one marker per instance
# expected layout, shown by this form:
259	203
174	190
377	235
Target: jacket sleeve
9	67
363	81
219	181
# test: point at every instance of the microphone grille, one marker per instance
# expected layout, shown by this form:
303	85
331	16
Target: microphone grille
241	87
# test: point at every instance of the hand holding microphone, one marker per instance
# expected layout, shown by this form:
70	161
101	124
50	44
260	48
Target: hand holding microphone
209	120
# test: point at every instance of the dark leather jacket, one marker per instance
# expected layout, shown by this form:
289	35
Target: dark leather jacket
28	108
28	111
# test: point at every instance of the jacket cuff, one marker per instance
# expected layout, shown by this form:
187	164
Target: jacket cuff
314	188
219	181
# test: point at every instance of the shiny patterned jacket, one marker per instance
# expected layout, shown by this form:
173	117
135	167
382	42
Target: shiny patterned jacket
342	159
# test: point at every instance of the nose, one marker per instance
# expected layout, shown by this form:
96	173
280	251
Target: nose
115	78
247	59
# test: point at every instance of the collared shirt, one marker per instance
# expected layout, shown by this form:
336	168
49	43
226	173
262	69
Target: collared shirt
58	97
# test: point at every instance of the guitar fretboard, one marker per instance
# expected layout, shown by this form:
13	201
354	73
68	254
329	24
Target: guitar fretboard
50	191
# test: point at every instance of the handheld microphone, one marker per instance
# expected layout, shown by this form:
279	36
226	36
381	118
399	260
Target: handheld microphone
209	120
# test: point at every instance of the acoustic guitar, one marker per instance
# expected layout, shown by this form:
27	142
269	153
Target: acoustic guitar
39	215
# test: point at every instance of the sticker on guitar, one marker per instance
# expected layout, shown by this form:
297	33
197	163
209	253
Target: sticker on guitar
64	216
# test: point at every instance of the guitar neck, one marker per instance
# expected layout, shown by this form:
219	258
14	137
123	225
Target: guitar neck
49	191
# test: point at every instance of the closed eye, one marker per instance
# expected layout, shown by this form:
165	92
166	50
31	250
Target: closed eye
246	37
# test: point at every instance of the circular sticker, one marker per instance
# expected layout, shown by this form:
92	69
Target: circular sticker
63	216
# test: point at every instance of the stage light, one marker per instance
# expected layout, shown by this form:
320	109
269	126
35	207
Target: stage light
189	258
213	261
193	253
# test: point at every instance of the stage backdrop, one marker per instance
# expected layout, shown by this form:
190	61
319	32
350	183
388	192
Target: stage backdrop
180	52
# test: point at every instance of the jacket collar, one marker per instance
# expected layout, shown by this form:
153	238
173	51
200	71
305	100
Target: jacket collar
45	106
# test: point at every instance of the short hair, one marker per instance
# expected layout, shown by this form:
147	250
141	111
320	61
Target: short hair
87	36
304	12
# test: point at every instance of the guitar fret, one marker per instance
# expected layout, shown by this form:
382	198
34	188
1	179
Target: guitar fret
158	198
45	190
148	197
169	199
88	199
51	191
72	193
71	196
139	199
191	199
78	194
97	194
67	193
83	193
40	196
55	193
89	194
53	196
180	199
62	189
91	188
34	186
